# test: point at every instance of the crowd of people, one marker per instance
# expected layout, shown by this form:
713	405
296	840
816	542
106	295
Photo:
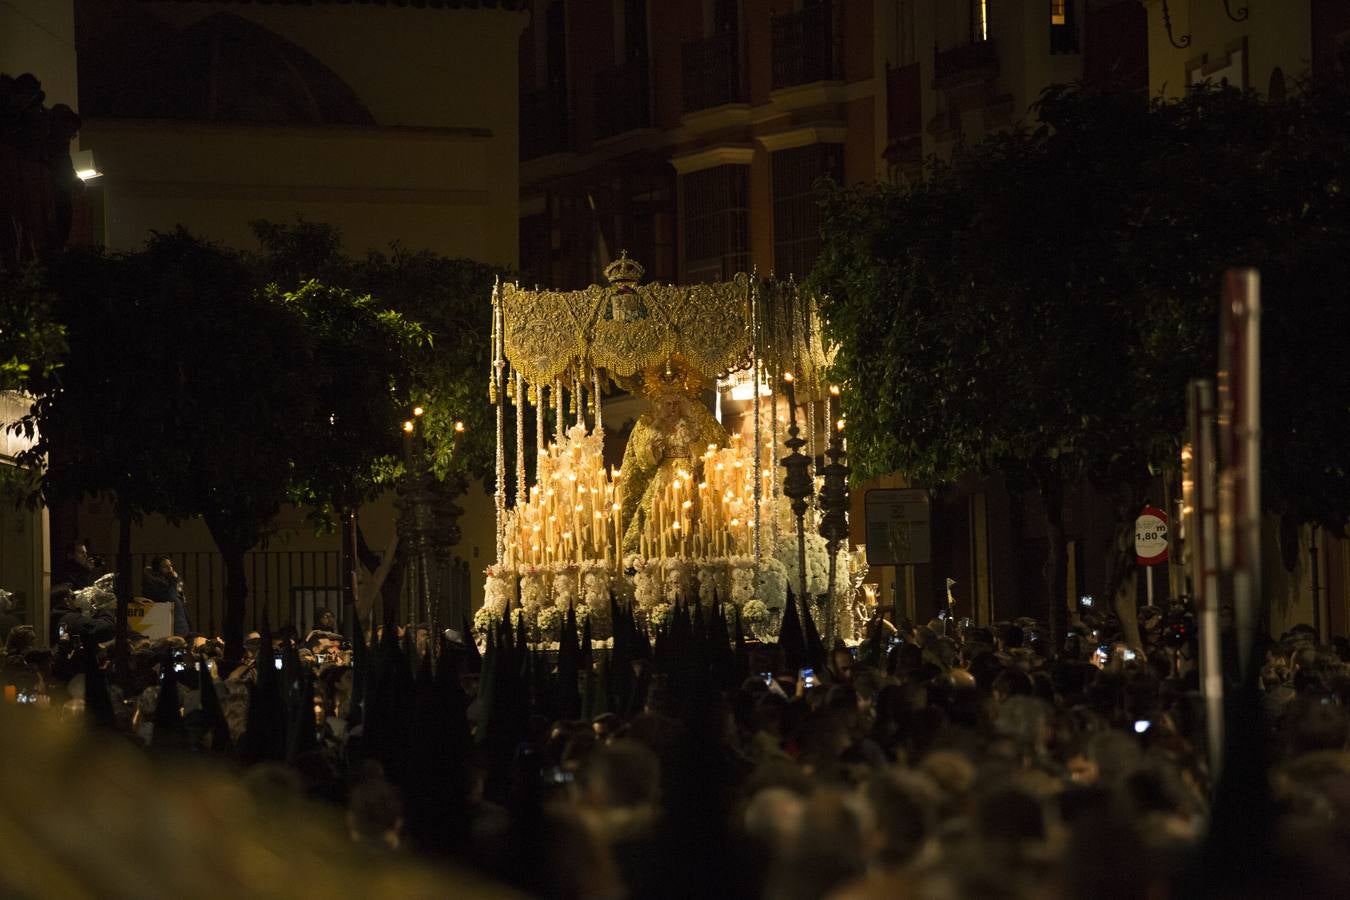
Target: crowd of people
931	760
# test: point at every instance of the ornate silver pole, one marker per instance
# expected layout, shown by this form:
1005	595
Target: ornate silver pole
499	398
755	363
521	496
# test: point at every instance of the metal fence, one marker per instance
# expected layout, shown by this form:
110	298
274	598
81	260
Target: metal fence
289	586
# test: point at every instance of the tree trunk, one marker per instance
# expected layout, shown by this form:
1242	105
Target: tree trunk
121	649
1056	577
236	590
1120	565
349	562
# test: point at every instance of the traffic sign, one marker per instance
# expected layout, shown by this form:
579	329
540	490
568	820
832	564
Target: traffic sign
1150	537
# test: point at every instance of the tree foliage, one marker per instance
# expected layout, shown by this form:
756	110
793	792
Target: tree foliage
192	390
1036	307
446	298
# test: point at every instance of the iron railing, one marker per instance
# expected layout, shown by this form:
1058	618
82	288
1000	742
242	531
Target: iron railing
712	71
803	46
287	586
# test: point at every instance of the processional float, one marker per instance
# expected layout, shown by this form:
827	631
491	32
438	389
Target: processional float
693	511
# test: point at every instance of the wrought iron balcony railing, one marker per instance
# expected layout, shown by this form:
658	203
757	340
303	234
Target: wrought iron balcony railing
803	47
712	71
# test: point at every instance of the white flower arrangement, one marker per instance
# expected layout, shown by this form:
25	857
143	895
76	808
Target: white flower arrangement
755	614
595	583
549	621
564	589
711	575
496	593
659	614
485	618
772	584
647	587
742	580
533	592
677	580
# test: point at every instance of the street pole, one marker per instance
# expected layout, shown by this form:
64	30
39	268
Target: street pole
1200	527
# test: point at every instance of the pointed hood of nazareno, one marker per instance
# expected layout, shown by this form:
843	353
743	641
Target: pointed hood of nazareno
360	669
265	732
790	638
212	715
815	647
568	695
98	708
170	733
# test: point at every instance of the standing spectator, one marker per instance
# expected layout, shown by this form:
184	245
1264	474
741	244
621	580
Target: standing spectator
163	585
77	567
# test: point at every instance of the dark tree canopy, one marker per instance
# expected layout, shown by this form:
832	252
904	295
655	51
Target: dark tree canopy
1036	307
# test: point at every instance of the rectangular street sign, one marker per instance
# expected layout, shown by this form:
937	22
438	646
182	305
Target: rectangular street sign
897	527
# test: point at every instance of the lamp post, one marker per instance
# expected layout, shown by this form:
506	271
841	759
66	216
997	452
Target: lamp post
428	527
797	484
834	518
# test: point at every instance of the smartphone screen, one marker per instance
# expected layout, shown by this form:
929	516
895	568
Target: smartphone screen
277	661
808	677
768	678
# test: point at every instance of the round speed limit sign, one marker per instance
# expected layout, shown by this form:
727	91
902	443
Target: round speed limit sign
1150	537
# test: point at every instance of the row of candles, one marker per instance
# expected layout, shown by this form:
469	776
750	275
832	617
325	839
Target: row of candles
574	512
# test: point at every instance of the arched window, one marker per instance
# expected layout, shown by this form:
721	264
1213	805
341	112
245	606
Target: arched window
226	68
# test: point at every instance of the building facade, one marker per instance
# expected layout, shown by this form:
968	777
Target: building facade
393	120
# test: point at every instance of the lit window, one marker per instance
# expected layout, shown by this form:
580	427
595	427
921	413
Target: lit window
1059	15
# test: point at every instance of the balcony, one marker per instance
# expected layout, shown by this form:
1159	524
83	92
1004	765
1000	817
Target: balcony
622	100
962	65
543	122
803	47
712	72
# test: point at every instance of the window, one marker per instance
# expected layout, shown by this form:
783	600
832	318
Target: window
796	204
1063	28
716	223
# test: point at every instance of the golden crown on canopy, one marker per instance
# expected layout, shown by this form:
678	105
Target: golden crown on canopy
624	271
551	335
